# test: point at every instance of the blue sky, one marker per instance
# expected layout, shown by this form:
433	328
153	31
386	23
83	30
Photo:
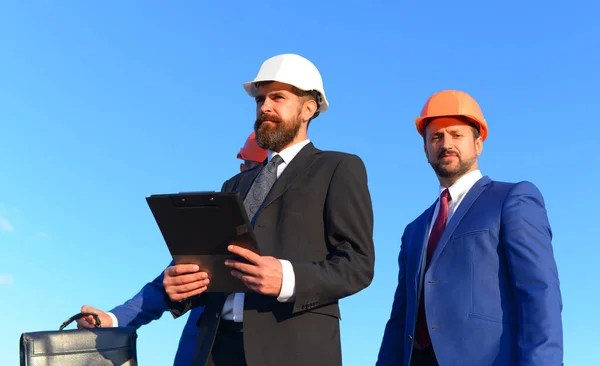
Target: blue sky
104	103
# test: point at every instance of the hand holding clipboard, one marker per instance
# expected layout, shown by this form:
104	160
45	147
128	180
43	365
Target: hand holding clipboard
213	246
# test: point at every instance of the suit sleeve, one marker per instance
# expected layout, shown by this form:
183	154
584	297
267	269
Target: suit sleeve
179	308
348	219
146	306
534	275
391	351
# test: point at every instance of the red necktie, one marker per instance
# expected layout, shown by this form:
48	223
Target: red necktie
436	233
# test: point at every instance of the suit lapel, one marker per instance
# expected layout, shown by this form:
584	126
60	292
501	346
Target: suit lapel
306	156
465	205
417	246
246	180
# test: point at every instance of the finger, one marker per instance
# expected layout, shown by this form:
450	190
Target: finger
90	320
192	286
247	279
195	292
185	279
184	290
243	267
88	309
244	253
183	296
82	323
180	269
255	288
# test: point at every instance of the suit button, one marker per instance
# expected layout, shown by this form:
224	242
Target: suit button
410	337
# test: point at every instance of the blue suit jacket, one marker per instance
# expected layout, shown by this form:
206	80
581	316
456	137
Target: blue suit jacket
492	293
148	305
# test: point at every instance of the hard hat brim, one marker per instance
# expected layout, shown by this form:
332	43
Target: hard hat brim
252	90
421	122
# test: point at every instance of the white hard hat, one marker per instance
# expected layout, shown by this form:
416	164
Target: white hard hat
293	70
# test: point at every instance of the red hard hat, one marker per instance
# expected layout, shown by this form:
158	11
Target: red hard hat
251	151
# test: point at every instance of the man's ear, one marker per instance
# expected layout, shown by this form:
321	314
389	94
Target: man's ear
243	167
309	109
479	146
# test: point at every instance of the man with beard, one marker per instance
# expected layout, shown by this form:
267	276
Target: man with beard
313	219
477	283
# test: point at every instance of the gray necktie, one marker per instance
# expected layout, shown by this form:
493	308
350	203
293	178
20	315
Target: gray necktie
258	192
261	187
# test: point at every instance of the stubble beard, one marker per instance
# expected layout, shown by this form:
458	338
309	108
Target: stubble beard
447	172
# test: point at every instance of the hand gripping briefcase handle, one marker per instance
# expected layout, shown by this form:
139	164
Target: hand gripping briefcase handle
79	316
94	346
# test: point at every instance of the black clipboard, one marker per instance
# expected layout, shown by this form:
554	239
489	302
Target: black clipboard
198	227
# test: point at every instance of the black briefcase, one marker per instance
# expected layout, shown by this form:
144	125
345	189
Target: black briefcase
79	347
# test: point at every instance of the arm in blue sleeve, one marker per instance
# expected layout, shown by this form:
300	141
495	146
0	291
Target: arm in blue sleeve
391	351
527	239
146	306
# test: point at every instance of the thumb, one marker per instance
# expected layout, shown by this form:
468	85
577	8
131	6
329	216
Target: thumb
89	309
105	319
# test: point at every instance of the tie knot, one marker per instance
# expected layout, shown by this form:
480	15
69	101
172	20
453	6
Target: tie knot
446	195
276	160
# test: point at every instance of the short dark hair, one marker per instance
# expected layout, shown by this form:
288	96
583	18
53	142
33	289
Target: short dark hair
473	125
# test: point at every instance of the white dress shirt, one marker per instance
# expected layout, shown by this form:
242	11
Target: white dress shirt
234	305
114	319
458	191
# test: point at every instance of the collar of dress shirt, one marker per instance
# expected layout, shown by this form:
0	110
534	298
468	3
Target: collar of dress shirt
289	152
462	185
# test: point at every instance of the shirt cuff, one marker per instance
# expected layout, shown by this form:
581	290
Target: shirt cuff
114	319
288	282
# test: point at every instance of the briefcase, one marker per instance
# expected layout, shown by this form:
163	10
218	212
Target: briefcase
79	347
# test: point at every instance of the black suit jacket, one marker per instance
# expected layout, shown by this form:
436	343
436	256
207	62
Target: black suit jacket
319	216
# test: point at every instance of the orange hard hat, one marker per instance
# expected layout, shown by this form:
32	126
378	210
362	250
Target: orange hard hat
251	151
452	103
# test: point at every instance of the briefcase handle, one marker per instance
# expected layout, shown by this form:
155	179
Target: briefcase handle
78	316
